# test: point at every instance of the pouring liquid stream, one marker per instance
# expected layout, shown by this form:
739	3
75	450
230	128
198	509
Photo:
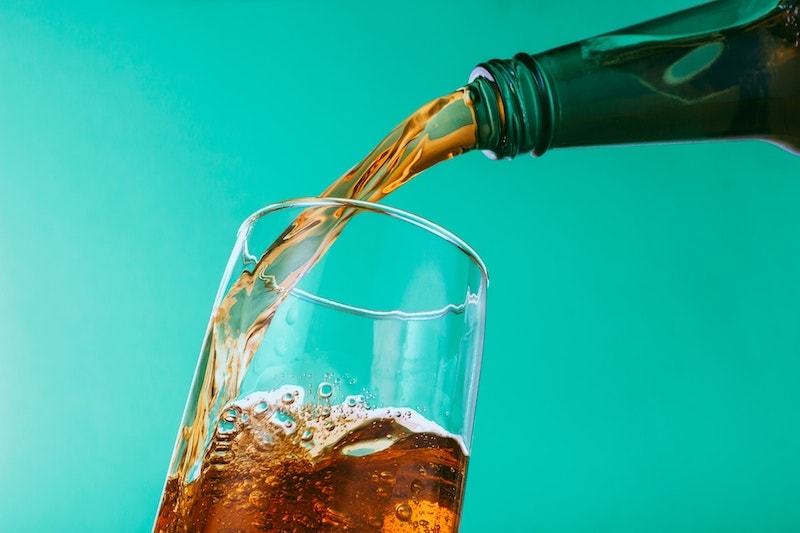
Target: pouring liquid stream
440	130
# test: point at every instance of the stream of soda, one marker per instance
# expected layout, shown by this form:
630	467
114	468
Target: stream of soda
440	130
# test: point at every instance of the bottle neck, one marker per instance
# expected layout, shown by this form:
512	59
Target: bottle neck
725	70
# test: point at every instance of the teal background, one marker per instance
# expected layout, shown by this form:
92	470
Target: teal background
641	360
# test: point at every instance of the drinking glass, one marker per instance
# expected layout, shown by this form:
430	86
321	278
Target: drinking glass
336	386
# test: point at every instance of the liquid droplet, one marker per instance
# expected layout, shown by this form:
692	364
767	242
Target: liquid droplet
288	398
329	425
403	512
307	435
416	486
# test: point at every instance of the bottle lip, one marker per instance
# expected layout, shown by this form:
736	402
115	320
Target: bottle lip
480	71
489	116
516	120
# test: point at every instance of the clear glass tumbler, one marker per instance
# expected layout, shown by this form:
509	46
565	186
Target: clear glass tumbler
337	382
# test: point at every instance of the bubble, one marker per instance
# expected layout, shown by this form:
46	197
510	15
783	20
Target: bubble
403	512
382	491
416	486
387	477
351	401
219	457
260	408
227	422
329	425
375	522
266	438
325	411
423	523
335	518
258	499
325	390
307	435
226	427
288	398
284	420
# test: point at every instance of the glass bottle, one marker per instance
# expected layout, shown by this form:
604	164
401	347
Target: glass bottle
728	69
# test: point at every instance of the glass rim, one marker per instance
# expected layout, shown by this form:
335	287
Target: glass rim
399	214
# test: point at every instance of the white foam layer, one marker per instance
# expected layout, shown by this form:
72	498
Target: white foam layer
332	422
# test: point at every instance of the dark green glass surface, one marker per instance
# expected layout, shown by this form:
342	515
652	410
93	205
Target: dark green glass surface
725	70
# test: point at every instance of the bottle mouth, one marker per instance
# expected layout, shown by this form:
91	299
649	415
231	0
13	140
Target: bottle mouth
512	118
249	258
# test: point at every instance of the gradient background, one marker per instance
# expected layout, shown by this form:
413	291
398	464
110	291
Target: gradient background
642	354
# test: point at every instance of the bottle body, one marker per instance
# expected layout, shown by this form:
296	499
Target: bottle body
724	70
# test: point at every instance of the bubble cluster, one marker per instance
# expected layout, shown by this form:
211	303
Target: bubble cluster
330	466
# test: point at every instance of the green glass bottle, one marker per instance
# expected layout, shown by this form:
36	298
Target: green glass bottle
728	69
